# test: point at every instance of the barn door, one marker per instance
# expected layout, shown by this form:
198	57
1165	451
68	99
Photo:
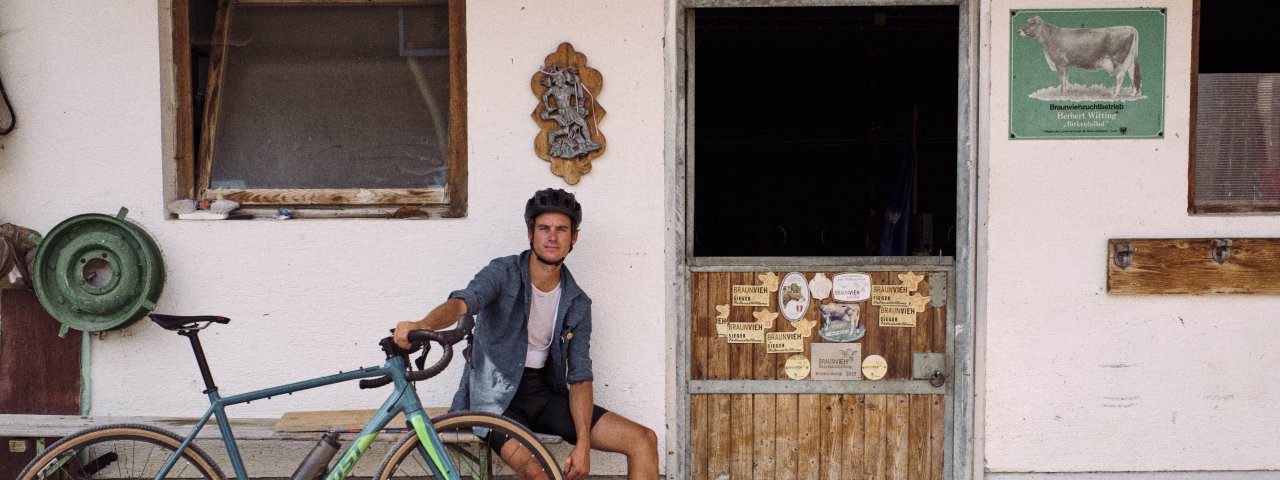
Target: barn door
826	317
854	388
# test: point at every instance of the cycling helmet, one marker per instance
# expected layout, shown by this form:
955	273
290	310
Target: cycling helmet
553	200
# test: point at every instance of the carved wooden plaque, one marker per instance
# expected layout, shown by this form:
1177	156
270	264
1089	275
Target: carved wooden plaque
568	113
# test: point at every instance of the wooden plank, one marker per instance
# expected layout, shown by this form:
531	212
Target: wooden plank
766	364
740	432
852	464
325	420
1195	106
184	132
456	177
1186	266
809	426
718	428
764	408
718	348
699	436
39	372
897	436
922	335
702	319
333	196
832	443
876	419
918	456
787	440
936	436
213	93
741	355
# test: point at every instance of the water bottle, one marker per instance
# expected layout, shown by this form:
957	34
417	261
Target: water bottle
313	467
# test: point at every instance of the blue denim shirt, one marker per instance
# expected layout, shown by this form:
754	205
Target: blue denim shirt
499	297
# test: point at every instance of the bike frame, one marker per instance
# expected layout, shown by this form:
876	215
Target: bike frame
403	398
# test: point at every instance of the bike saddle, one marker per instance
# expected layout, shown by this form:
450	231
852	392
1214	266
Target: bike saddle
183	322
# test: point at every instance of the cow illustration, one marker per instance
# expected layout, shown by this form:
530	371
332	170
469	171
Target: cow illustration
1114	49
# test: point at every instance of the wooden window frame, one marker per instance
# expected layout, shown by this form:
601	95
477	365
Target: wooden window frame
1192	208
449	201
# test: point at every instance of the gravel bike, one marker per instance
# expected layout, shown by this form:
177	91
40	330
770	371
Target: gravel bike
436	448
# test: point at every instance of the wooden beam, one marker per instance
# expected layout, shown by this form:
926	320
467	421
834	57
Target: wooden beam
1187	266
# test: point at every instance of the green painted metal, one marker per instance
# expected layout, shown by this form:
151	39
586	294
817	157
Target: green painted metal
96	272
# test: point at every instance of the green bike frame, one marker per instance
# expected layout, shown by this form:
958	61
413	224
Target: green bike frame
403	398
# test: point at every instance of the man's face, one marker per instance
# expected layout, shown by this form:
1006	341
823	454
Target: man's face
552	236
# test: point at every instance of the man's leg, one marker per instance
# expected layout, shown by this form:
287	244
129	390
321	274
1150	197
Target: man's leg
615	433
522	461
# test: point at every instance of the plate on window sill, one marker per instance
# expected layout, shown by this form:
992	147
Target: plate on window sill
202	216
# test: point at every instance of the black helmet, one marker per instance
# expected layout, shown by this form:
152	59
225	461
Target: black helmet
553	200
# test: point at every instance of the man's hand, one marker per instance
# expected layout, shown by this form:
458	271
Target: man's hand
401	334
578	465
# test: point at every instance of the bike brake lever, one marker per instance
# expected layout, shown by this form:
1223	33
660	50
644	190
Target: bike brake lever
421	361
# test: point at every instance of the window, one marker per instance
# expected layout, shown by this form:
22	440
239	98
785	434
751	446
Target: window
1235	147
354	108
825	131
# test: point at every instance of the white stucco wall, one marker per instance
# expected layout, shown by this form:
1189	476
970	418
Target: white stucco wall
1079	380
311	297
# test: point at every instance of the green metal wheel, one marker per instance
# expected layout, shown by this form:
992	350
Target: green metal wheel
97	272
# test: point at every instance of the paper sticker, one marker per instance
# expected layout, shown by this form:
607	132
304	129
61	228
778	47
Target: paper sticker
851	287
820	286
840	322
804	327
765	318
722	320
897	316
874	367
783	342
889	295
750	296
745	332
836	361
919	302
797	367
769	280
911	280
793	296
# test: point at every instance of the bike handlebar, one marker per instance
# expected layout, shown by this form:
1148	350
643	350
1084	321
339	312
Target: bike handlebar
422	339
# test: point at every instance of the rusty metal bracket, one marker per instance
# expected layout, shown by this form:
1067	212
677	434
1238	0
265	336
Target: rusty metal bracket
1221	250
1124	255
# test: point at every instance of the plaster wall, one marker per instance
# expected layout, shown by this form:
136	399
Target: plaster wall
1076	380
312	297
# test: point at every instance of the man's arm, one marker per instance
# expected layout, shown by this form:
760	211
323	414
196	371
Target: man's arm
581	402
445	314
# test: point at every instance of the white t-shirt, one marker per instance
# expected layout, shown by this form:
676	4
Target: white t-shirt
542	324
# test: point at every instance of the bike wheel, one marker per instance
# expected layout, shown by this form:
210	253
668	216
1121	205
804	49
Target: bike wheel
125	451
467	452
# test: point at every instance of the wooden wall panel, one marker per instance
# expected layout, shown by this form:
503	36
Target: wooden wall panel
740	433
897	436
810	436
832	443
717	348
875	419
718	417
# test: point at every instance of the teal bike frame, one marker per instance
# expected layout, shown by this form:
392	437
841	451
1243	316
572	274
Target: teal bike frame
404	398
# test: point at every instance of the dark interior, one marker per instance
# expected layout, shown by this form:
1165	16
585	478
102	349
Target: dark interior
817	128
1236	36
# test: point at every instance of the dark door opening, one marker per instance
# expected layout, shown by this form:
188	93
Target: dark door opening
825	131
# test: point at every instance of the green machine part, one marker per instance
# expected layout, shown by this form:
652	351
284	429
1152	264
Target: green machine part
96	272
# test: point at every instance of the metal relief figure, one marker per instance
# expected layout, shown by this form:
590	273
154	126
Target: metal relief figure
568	113
564	102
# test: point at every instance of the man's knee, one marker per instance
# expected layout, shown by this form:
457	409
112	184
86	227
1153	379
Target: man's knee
644	440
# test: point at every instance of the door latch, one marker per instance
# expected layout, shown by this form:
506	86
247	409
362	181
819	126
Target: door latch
938	379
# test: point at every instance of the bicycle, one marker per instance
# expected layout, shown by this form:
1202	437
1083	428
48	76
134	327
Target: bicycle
434	448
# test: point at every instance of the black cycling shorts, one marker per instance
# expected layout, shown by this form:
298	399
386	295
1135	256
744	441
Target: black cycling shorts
541	410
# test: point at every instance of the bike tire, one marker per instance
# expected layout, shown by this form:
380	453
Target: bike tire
404	461
119	451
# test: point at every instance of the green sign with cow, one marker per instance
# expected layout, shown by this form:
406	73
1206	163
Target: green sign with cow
1095	73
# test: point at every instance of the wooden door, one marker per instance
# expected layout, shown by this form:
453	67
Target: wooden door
751	420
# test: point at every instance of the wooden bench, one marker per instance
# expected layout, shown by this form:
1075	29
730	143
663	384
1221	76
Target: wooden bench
270	447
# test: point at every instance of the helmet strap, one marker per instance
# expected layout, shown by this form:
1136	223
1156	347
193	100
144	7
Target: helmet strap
546	262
